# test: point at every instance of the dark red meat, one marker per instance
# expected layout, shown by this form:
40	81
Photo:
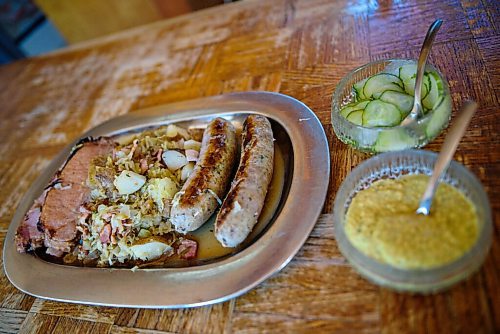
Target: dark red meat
57	216
187	249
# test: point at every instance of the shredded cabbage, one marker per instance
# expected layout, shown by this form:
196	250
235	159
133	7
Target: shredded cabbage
117	222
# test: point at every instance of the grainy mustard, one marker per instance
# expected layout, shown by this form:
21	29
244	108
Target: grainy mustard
381	222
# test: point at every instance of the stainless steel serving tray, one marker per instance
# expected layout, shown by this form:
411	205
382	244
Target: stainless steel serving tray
209	283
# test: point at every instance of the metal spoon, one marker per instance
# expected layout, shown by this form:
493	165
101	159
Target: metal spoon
416	111
449	147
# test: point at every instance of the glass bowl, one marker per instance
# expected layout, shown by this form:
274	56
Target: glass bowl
394	165
382	139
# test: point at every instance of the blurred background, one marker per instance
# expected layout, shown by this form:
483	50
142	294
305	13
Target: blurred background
33	27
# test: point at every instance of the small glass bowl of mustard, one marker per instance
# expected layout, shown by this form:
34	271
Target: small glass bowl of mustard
397	165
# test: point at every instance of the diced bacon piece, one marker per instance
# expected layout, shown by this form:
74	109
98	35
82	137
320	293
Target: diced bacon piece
187	249
144	165
105	234
158	155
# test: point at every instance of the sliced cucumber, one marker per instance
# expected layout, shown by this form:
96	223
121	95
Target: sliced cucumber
358	89
434	91
439	82
379	113
380	83
410	86
426	87
345	111
403	101
356	117
440	117
394	140
407	72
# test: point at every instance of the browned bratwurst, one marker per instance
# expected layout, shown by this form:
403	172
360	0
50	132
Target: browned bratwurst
209	181
243	204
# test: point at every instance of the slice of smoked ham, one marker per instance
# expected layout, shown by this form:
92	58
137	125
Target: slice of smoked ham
56	217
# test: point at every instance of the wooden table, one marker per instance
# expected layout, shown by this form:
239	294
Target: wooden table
299	48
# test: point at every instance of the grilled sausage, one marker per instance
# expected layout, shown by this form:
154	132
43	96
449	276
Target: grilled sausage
243	204
209	181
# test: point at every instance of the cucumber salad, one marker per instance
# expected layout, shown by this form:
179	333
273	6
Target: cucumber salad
385	99
381	102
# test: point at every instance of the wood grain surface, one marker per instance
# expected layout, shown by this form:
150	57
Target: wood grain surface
299	48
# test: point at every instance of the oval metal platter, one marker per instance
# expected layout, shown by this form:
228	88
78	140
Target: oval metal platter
307	175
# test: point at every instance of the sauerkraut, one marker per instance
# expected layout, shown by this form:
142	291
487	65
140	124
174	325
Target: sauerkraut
131	194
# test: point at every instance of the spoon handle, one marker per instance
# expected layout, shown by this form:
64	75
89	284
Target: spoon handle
424	53
448	149
416	111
